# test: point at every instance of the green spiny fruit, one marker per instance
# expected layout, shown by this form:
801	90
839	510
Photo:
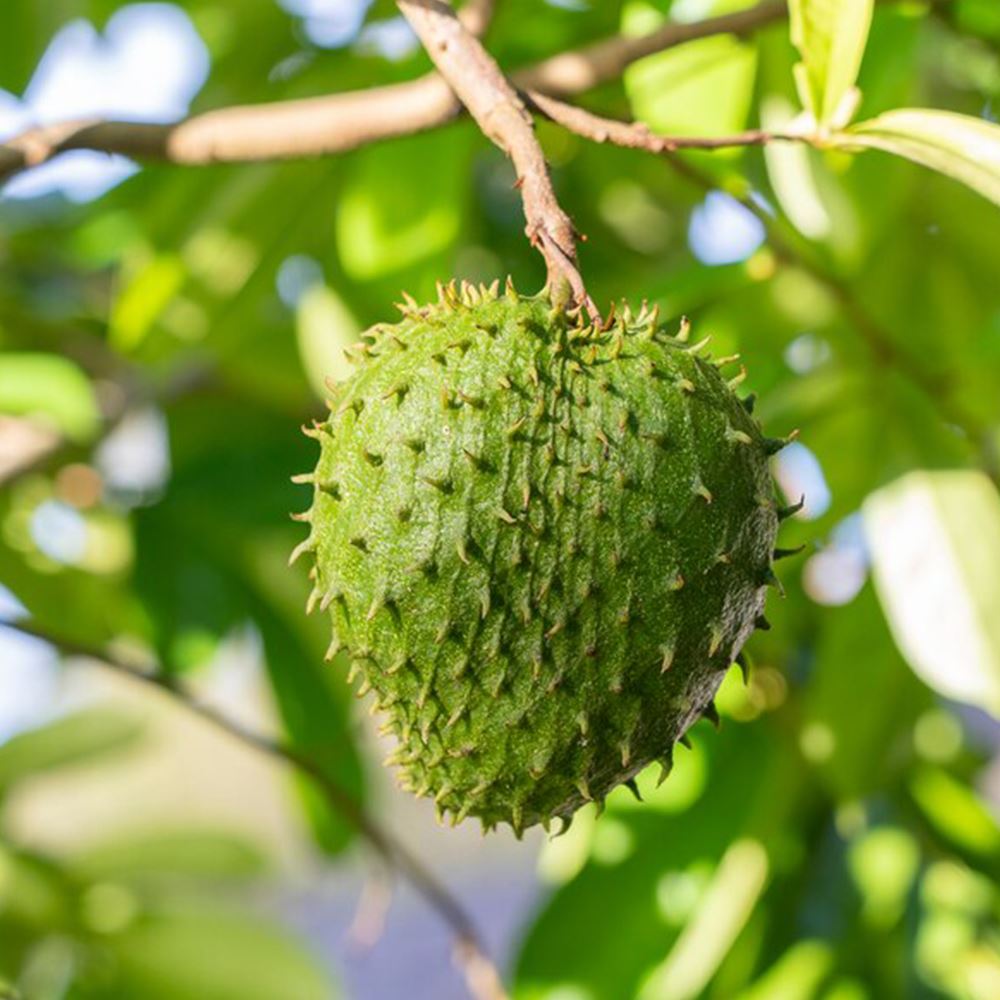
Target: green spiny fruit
541	543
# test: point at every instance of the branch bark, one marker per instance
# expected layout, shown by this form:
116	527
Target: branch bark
240	134
501	114
338	123
636	135
482	978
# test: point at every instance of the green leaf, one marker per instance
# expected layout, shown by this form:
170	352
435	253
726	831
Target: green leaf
33	893
24	32
790	169
213	554
52	388
956	811
68	601
962	147
211	854
309	692
324	327
979	17
661	879
703	87
72	740
884	862
388	220
225	956
830	36
143	297
797	975
728	902
855	743
935	541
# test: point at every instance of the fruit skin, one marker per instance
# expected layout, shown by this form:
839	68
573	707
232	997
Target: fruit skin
541	544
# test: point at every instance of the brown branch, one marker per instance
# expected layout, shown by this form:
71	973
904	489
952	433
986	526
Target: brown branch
283	130
493	102
337	123
481	975
246	133
636	135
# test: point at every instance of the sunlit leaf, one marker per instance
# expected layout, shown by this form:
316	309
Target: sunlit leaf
797	975
703	87
143	298
956	811
52	388
727	904
388	220
884	862
965	148
935	541
830	36
324	327
790	171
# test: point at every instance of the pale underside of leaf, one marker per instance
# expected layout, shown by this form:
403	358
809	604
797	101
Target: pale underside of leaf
962	147
935	541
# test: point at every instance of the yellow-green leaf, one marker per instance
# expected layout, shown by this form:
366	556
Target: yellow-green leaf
324	326
830	36
143	298
50	387
960	146
703	87
956	811
722	914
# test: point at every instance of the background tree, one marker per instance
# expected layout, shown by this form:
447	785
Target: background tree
164	330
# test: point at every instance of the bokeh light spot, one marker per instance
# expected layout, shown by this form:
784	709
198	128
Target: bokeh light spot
722	231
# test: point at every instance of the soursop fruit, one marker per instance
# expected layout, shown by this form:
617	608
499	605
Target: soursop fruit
541	543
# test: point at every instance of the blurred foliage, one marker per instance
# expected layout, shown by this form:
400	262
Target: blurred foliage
836	840
137	915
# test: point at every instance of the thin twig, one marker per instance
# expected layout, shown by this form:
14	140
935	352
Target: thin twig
337	123
491	99
480	973
636	135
